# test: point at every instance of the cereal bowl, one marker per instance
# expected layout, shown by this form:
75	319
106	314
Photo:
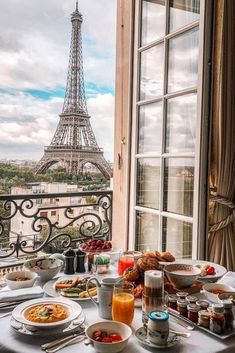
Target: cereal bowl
182	275
20	279
110	327
45	267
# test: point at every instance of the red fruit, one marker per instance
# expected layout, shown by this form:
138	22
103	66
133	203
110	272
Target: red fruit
104	247
93	243
89	242
92	248
98	248
109	244
115	337
210	270
85	248
97	334
99	242
99	339
107	340
104	334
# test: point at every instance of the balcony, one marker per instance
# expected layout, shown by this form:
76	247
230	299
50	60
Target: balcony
34	224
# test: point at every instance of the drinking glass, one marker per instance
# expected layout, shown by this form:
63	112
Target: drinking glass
123	302
150	303
125	261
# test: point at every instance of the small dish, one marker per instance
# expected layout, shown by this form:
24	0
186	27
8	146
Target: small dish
73	309
45	267
12	283
213	297
110	326
141	335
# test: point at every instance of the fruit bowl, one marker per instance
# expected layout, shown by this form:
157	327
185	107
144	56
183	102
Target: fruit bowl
96	246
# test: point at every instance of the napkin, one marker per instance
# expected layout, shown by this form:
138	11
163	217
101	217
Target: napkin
21	294
228	279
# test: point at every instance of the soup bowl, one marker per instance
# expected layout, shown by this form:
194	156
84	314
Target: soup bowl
45	267
182	275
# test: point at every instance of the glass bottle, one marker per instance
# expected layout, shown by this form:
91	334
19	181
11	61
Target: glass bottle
69	261
228	315
217	319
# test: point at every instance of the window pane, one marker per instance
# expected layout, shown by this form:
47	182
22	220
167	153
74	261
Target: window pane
147	230
153	20
183	12
150	128
148	182
183	61
177	238
178	185
151	72
181	123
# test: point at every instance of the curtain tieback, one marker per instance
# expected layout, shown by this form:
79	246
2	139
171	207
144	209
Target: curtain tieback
231	217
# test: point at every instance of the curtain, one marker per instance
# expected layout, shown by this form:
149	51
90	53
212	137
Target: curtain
221	241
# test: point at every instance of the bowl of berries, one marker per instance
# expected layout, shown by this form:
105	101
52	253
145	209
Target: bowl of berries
109	336
96	246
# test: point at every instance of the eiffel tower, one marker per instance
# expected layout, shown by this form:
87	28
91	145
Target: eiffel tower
74	143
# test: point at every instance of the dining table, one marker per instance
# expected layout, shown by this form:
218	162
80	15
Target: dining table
199	341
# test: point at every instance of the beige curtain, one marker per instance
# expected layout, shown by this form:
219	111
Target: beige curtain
221	242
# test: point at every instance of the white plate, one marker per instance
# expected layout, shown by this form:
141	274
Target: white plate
49	289
74	310
75	326
219	270
141	335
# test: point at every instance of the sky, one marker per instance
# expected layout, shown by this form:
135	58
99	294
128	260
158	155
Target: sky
34	53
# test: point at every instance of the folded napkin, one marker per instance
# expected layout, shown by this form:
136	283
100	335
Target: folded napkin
228	279
21	294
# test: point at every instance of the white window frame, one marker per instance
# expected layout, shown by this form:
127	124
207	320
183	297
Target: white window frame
199	219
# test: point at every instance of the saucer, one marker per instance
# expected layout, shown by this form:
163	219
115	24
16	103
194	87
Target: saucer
141	335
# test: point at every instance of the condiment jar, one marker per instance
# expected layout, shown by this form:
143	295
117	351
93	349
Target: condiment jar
69	261
204	318
182	295
204	304
191	299
217	319
193	310
172	301
182	307
228	315
158	327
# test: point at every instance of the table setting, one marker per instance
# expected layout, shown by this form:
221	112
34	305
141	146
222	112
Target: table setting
109	300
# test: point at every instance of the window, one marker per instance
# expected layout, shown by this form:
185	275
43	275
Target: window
43	214
165	126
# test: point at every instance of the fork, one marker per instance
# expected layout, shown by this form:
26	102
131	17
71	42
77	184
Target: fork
6	314
64	344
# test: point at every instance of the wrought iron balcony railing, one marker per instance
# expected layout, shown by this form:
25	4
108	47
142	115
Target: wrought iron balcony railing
36	222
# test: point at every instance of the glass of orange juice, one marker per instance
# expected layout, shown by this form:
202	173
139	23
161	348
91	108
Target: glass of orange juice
123	302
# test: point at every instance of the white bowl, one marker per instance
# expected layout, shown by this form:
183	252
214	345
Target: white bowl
13	284
182	275
215	286
45	267
73	309
111	327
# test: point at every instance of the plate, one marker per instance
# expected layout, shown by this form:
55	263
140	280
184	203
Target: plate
74	310
49	289
75	326
141	335
219	270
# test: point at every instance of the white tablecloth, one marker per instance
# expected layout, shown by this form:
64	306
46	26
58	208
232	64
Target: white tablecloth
199	342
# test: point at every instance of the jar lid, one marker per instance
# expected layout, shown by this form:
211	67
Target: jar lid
204	313
172	298
182	302
193	307
203	303
218	308
228	304
191	298
182	294
158	315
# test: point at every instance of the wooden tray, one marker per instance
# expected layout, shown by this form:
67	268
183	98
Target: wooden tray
196	287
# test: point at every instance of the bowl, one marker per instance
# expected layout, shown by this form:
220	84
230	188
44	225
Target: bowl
13	284
182	275
208	287
72	308
45	267
111	327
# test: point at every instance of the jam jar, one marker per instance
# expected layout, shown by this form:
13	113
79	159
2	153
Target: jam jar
158	327
228	315
172	301
193	310
204	318
182	307
204	304
191	299
182	295
217	319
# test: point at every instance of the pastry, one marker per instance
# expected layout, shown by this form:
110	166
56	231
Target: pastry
138	291
131	274
158	256
146	263
167	256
